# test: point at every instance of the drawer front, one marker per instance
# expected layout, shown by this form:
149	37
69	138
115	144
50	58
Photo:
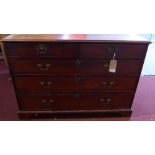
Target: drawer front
74	84
76	101
98	50
41	49
64	66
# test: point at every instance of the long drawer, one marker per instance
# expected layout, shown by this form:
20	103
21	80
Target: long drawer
88	50
73	66
74	83
76	101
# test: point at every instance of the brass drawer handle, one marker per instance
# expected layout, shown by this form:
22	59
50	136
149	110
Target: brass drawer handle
77	78
46	84
42	49
104	83
107	84
105	101
77	95
113	49
106	65
47	102
111	83
43	67
78	62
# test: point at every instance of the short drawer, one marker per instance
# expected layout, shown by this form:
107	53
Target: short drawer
41	49
76	101
74	84
73	66
122	51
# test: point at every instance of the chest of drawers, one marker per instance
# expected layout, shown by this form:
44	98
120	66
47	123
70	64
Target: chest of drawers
60	74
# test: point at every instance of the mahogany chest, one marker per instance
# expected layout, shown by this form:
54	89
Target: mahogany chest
66	74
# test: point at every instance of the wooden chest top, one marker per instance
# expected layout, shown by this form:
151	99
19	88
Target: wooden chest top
76	37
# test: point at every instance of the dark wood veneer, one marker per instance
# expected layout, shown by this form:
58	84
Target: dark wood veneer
49	49
76	101
70	66
74	84
55	75
87	50
122	51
